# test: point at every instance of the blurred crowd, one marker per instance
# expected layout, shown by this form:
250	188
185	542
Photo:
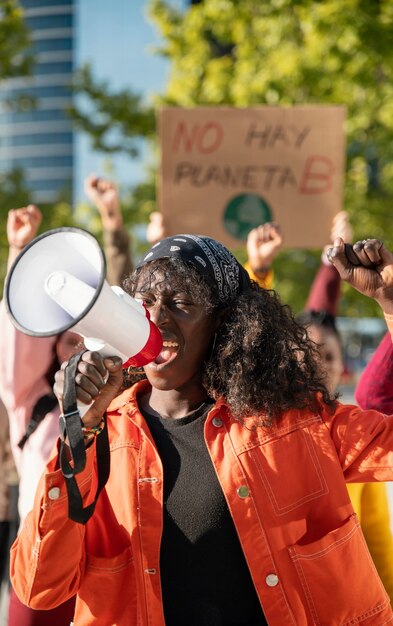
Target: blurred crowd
29	411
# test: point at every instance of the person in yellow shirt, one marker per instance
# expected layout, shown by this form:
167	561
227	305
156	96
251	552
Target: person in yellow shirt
263	245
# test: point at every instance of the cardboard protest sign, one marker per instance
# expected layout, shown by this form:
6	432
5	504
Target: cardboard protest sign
226	170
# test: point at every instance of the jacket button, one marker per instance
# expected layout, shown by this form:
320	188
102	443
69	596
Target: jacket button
243	491
271	580
54	493
217	422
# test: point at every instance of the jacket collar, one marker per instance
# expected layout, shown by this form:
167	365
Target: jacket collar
129	397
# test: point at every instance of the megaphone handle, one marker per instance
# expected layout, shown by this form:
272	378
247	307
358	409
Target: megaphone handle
71	426
70	421
83	408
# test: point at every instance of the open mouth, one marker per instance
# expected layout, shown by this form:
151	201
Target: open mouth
168	352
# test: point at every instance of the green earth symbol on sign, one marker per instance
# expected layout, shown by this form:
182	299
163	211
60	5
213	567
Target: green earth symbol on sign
245	212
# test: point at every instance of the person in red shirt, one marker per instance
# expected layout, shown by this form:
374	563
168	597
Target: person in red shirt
375	387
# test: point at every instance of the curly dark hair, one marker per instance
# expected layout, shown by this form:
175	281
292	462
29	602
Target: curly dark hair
262	362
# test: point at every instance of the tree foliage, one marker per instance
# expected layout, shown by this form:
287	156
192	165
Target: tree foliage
281	52
13	193
119	121
15	57
15	60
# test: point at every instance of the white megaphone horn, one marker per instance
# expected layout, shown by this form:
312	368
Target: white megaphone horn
58	283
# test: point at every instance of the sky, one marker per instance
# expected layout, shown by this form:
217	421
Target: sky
116	38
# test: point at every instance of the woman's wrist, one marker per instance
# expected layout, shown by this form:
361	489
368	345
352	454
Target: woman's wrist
261	271
258	269
389	323
13	253
386	305
91	432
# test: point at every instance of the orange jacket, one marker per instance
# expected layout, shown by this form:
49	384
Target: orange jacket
285	488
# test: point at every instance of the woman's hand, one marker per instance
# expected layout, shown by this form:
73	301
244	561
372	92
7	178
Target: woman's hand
263	245
368	267
105	195
22	227
98	381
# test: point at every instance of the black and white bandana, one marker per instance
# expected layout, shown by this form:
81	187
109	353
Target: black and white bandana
211	259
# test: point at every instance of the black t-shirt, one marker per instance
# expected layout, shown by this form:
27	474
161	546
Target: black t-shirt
205	578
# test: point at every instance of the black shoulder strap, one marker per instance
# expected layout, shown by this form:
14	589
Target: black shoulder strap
42	407
71	427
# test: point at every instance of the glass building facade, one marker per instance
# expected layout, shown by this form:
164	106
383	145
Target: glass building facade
40	139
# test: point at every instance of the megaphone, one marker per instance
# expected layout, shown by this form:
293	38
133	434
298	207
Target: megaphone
58	283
